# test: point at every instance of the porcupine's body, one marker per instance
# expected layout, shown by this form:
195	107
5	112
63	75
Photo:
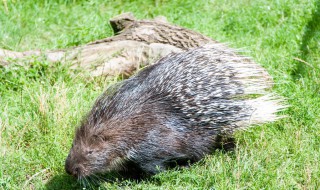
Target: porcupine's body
172	111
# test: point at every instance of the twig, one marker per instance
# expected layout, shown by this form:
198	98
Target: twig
32	177
302	61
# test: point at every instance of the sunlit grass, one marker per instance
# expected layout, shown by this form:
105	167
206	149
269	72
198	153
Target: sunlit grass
41	104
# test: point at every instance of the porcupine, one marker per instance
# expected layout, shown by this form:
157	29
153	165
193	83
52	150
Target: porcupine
174	111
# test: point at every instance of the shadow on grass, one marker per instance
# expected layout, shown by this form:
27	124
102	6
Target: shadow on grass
310	32
66	182
63	182
120	178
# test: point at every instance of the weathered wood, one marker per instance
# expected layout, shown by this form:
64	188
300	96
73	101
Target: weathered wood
136	42
156	31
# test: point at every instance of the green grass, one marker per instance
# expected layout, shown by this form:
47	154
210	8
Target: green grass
41	104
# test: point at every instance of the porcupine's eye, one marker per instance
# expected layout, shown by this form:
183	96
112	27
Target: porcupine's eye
90	152
96	138
101	138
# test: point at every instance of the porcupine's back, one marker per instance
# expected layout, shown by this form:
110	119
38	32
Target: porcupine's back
211	87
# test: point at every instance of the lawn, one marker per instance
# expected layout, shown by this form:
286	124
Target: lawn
41	104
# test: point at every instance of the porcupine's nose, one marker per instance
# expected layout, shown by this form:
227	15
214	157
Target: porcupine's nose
75	171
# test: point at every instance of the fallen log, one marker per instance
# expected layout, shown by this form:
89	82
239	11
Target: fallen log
136	43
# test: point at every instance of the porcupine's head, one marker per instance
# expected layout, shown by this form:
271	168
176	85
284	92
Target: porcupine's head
100	143
92	152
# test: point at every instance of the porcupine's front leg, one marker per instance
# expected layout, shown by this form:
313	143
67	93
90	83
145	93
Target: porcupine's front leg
158	153
155	164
